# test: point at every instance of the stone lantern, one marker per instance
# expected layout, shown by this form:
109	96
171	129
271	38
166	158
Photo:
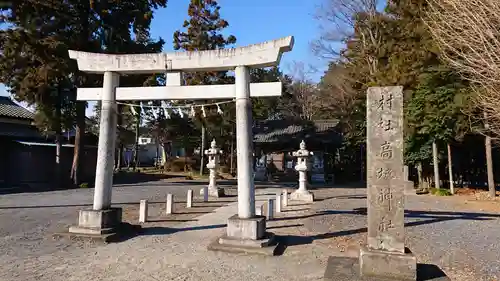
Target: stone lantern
302	167
213	165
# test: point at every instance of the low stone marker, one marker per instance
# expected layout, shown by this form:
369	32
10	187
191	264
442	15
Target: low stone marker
284	200
270	209
170	204
205	194
278	203
143	211
189	200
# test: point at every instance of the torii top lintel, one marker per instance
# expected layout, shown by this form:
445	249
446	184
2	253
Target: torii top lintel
265	54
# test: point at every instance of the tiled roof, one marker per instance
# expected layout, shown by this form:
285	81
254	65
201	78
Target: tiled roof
271	131
8	108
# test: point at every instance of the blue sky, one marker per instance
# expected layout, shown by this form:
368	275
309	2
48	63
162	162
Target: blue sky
251	22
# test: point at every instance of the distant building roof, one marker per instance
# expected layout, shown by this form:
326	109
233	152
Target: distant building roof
281	131
19	131
9	108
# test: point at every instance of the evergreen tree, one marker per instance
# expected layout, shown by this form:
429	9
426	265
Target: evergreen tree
203	31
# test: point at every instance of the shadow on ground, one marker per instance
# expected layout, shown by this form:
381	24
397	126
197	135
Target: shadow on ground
425	217
156	230
428	272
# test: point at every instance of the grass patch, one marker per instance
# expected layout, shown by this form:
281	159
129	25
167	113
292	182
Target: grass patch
84	185
440	192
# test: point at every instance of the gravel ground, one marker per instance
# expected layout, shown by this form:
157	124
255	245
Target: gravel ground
28	220
169	253
464	243
461	240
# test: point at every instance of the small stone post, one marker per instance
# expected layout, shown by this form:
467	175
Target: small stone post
270	209
170	204
213	165
189	201
302	194
143	211
278	203
205	193
284	201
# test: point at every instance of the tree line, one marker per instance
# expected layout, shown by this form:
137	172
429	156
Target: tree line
382	43
406	43
35	67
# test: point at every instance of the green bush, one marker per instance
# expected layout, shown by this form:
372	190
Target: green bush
84	185
440	192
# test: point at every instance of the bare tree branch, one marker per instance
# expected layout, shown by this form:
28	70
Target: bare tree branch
468	32
337	20
304	92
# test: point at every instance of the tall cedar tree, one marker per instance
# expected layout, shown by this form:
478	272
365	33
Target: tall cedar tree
203	32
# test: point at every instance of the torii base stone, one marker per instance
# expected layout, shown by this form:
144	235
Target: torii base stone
247	236
100	226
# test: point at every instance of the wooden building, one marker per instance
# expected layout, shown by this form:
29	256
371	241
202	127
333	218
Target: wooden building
276	140
28	158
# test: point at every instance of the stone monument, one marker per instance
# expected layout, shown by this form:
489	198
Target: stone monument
242	228
213	154
302	167
385	256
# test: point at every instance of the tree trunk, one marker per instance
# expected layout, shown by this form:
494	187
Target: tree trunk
436	164
58	131
489	160
80	79
136	148
450	170
119	122
420	175
231	169
362	154
202	150
58	161
79	134
164	153
489	167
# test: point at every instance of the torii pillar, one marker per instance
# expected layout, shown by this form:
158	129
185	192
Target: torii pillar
244	229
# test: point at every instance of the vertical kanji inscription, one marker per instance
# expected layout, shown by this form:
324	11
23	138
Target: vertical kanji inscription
385	172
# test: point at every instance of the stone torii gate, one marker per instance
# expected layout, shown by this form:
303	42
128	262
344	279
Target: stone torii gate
102	219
